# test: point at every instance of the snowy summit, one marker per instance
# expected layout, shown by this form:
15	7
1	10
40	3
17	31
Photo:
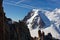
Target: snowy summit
47	21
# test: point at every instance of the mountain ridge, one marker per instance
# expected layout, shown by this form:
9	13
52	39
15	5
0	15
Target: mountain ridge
35	20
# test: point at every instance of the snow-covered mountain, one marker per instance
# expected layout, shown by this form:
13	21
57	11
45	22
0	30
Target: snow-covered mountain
47	21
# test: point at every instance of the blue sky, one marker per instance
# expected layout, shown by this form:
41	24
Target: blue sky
18	9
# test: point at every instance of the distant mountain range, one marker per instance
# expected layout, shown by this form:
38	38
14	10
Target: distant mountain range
47	21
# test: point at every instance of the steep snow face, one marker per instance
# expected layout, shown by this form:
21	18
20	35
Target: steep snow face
34	14
54	17
37	19
34	21
53	31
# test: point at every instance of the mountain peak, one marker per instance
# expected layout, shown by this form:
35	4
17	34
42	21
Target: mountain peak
35	10
37	17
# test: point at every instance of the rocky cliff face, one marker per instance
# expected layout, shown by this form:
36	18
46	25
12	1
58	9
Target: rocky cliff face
1	20
15	31
22	32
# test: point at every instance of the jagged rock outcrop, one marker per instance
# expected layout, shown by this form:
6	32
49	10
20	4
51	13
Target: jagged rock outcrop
15	31
22	31
42	36
1	20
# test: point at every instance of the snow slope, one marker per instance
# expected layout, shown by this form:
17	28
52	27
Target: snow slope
37	22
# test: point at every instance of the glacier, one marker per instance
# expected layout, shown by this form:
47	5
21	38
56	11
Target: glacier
44	20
